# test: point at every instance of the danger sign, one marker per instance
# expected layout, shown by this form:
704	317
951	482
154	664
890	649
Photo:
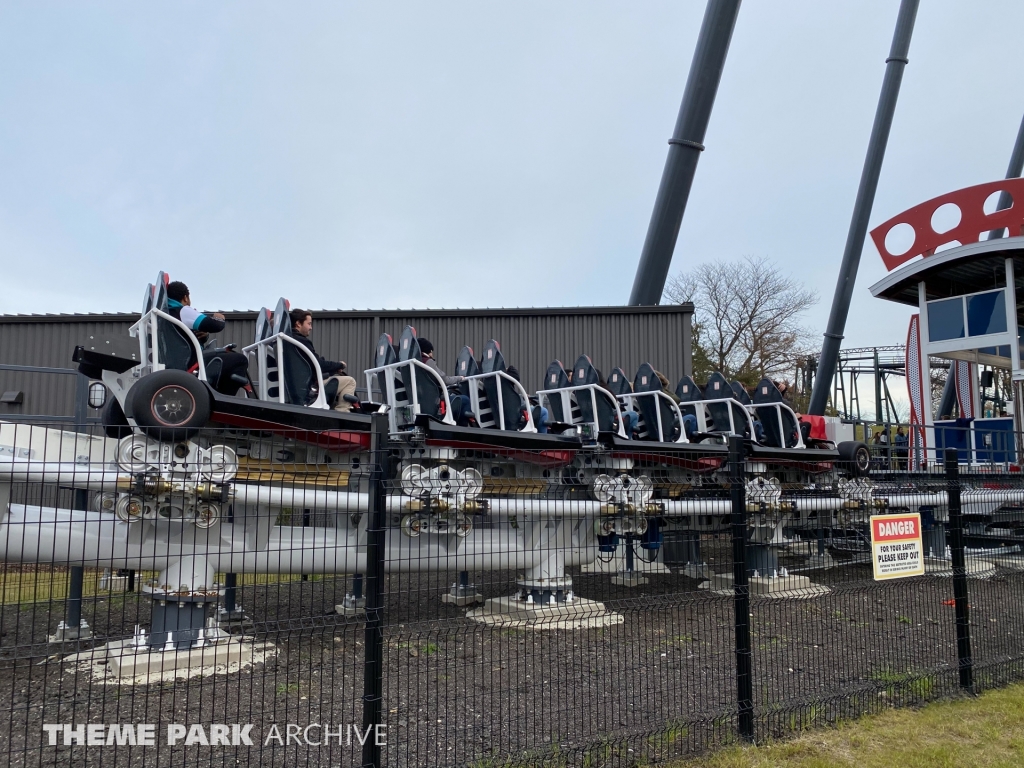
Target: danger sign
896	549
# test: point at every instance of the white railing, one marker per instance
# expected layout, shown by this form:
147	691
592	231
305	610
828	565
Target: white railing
630	398
728	402
569	398
477	398
403	410
262	349
147	329
778	408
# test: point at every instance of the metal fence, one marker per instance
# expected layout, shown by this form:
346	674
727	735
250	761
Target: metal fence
324	610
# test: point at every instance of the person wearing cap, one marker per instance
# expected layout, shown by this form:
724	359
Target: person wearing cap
427	351
462	410
234	365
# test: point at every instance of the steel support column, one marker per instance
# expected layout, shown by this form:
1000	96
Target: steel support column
684	150
894	66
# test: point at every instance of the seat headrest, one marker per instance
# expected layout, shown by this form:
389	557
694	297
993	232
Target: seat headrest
385	352
688	391
465	363
264	324
492	359
160	292
739	392
282	320
766	392
717	387
646	379
147	299
618	383
584	372
555	376
409	345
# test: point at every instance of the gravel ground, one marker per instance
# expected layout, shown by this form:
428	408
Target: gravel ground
457	692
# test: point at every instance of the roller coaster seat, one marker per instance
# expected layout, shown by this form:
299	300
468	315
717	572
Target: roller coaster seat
407	385
583	401
555	378
618	382
288	371
660	418
496	398
739	393
780	423
728	415
175	345
691	399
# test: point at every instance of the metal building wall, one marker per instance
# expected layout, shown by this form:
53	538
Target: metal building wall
530	339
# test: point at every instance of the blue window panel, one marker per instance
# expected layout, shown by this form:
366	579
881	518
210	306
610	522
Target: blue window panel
946	319
986	313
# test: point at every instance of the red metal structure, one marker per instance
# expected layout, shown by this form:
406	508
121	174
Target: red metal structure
974	222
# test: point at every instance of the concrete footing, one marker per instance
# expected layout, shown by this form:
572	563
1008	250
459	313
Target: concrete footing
66	634
699	571
629	579
351	606
128	661
576	613
235	621
822	561
1011	562
976	568
787	586
462	595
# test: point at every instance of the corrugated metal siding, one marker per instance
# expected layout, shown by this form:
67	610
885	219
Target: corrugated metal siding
530	339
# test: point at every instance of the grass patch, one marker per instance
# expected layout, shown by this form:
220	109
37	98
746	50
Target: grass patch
985	732
903	683
29	585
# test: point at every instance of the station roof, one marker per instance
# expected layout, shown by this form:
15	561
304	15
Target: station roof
963	269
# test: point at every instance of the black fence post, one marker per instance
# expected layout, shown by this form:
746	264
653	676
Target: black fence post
741	589
73	610
230	579
305	524
81	401
956	546
376	543
73	628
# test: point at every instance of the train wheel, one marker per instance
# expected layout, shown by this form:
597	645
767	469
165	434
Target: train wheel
856	458
170	405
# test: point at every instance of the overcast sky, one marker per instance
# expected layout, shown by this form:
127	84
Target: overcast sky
466	154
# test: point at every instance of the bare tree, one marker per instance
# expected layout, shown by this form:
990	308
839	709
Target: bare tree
746	320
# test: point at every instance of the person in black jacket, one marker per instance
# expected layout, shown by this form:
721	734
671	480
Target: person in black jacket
302	328
228	370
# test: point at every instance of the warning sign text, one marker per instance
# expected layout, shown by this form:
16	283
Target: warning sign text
896	546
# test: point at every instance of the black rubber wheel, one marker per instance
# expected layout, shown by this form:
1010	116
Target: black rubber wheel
115	423
170	405
855	457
